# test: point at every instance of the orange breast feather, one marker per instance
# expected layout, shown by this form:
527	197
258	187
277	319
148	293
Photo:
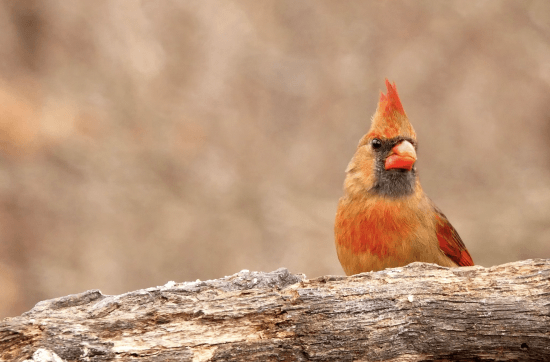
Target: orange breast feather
378	231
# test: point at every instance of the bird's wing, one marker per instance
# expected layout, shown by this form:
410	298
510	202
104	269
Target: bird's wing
450	242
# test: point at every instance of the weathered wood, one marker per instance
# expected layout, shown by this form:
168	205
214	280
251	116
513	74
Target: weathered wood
416	313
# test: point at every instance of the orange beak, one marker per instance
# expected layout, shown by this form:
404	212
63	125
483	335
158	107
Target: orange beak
402	156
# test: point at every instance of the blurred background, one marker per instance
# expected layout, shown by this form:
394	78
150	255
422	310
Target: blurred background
142	142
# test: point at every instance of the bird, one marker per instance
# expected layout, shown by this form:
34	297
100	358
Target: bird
384	219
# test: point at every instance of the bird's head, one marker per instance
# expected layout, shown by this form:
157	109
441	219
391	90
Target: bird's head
384	163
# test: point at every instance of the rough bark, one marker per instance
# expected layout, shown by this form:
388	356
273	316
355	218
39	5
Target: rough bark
415	313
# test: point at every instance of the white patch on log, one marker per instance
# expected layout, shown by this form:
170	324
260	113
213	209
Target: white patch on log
44	355
203	354
188	333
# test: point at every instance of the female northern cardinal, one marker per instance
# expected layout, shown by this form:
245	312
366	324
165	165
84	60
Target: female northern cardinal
384	219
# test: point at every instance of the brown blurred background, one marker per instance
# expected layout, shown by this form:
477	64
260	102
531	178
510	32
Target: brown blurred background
142	142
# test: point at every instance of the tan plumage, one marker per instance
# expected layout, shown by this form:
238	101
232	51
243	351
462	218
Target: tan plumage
384	218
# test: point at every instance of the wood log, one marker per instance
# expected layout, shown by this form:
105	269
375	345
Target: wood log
415	313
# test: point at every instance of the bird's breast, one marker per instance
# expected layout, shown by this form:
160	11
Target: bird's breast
380	229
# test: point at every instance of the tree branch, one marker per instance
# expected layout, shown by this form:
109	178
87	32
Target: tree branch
415	313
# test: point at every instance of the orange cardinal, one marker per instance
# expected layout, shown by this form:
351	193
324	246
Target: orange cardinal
384	219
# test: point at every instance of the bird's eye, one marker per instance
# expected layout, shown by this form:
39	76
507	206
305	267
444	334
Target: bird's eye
376	143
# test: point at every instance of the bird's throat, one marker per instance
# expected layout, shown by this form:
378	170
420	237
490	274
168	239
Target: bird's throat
393	183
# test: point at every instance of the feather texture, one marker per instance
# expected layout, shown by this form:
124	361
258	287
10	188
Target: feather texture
384	218
450	242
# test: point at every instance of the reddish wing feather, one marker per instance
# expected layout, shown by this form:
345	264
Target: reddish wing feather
449	241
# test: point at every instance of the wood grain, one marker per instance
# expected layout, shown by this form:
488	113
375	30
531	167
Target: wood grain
416	313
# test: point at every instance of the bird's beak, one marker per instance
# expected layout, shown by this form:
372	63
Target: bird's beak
402	156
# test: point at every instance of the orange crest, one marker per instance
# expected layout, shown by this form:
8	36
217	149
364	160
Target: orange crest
390	119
